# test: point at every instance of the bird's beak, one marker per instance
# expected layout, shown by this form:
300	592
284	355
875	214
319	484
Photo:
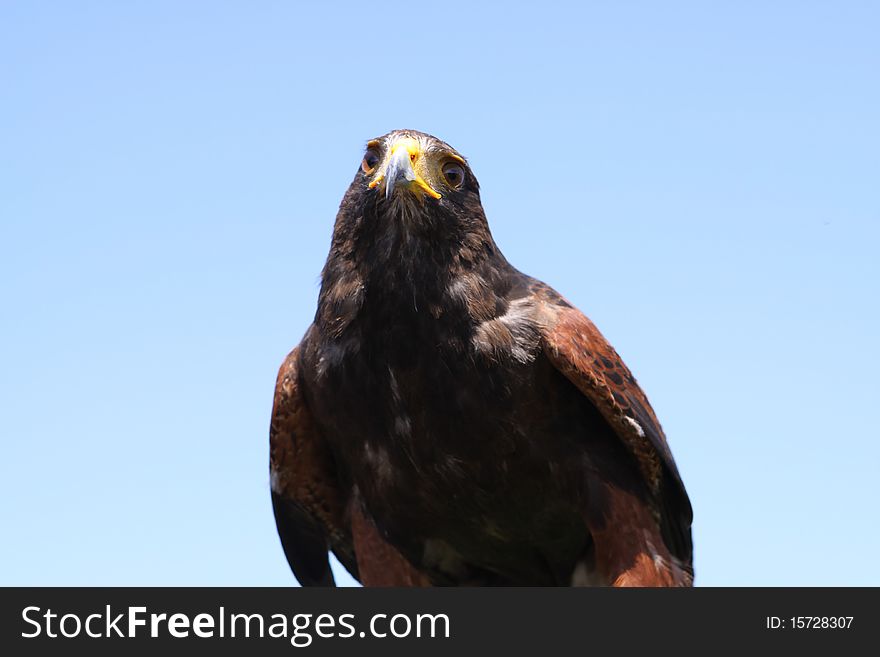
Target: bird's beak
400	170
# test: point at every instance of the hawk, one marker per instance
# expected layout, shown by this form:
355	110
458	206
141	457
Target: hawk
448	420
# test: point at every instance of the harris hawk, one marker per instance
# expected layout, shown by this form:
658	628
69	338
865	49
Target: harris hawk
449	420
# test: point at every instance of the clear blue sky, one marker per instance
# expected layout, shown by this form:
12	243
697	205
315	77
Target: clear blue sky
702	179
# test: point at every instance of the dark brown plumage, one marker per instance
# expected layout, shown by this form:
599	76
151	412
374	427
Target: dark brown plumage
448	420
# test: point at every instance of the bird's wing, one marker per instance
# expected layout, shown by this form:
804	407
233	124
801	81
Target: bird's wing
580	352
309	507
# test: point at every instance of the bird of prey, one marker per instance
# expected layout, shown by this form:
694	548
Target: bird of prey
450	421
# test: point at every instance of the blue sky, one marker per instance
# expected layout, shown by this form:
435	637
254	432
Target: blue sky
700	178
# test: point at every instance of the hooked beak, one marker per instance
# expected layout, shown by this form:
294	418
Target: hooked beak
400	171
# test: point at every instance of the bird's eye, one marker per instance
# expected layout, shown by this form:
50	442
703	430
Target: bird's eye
453	172
370	161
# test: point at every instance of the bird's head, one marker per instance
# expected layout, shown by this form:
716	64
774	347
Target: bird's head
409	162
416	178
410	222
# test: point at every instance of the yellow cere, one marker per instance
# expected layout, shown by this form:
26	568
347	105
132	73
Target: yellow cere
411	145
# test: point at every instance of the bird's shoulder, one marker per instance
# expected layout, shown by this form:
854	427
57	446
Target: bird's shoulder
309	502
575	345
578	349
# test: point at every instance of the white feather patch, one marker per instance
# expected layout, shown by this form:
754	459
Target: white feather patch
635	425
274	481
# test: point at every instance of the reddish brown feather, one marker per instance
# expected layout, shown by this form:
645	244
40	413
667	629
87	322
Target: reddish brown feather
379	563
302	468
629	548
577	349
